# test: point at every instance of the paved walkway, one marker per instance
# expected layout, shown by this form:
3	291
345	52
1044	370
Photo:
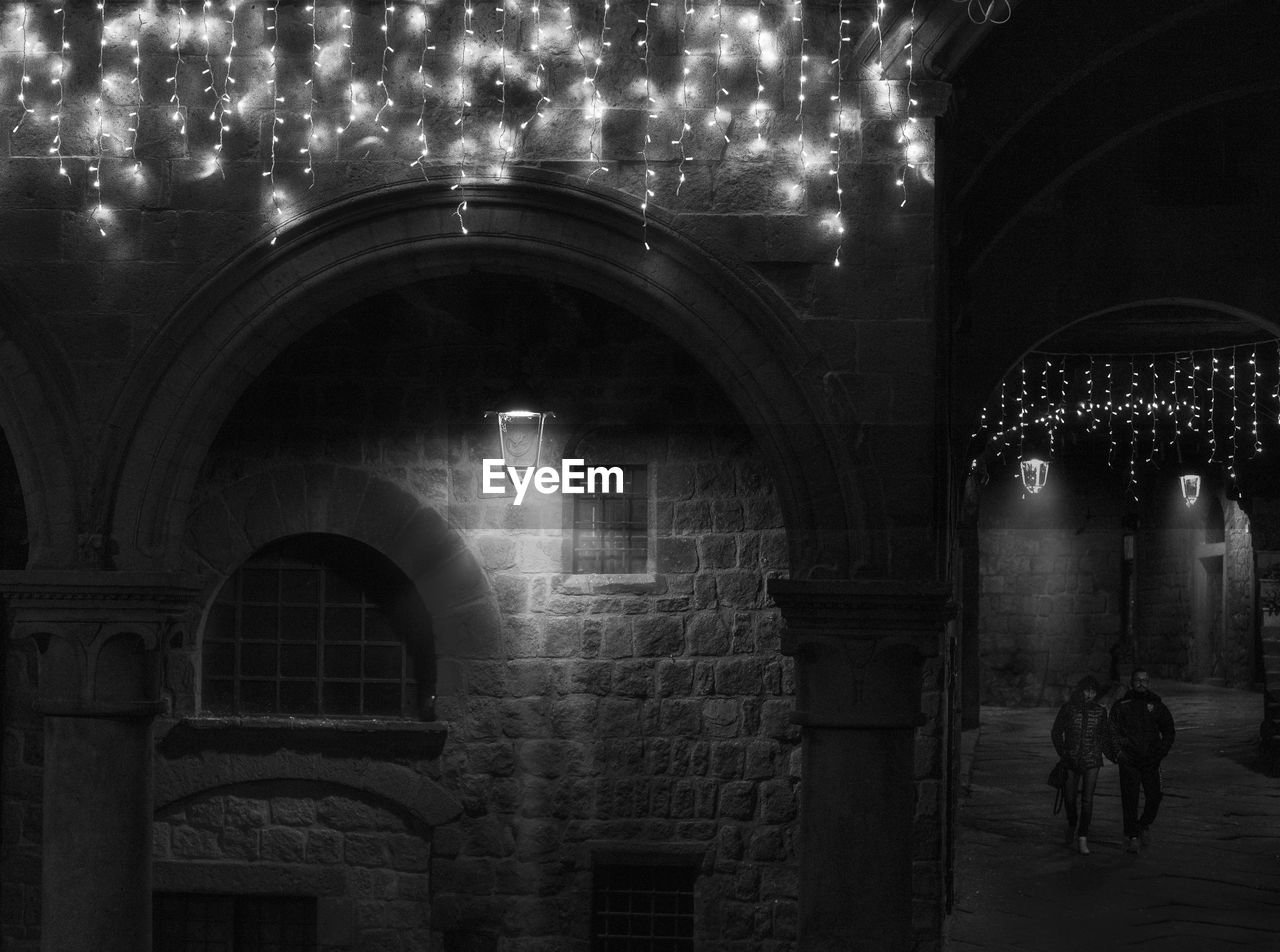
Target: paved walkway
1209	881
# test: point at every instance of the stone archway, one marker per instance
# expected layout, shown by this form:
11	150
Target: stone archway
227	528
729	320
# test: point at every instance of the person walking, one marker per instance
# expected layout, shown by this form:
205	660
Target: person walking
1081	734
1144	731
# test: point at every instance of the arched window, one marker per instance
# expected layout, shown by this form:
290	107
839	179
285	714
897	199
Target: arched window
318	625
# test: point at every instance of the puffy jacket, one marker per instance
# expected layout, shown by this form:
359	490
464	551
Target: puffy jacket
1143	728
1081	734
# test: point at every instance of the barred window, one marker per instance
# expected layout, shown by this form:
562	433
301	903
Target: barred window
611	530
642	908
195	922
315	625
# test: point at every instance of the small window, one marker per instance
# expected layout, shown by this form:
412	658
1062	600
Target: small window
642	908
195	922
611	530
314	626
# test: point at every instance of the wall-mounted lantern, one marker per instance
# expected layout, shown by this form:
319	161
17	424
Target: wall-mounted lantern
1190	483
520	432
1035	473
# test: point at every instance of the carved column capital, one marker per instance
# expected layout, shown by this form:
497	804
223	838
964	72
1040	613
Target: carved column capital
859	646
99	634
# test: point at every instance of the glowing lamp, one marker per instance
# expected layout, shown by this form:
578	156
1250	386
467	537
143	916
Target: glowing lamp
1035	473
520	428
1190	483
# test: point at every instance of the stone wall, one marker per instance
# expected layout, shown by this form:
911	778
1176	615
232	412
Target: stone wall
1050	584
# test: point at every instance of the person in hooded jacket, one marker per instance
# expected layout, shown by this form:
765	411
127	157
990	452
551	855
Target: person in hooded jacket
1143	729
1081	735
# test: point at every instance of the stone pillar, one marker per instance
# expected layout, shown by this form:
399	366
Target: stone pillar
100	636
859	648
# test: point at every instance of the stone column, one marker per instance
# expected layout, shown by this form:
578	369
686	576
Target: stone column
100	636
859	648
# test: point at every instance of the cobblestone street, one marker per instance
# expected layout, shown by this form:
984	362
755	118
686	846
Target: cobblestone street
1209	881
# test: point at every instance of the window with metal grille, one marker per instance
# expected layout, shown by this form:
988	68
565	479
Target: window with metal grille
195	922
314	625
642	908
611	530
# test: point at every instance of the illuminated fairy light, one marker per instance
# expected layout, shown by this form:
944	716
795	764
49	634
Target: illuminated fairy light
906	132
878	25
1213	407
680	142
501	84
175	98
716	82
95	165
757	108
650	116
1253	364
836	151
1235	425
539	81
23	78
387	9
276	119
347	27
135	117
461	122
797	18
57	80
591	80
424	83
309	117
209	80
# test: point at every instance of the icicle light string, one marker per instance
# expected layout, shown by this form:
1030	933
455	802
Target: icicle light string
501	83
387	9
61	10
716	80
273	10
680	142
135	117
95	165
346	22
1055	389
837	124
23	77
649	116
424	84
464	104
907	130
308	148
757	107
539	81
797	18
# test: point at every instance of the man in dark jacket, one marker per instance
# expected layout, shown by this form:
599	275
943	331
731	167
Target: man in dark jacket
1144	732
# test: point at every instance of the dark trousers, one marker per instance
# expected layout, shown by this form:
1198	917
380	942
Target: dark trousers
1079	788
1146	776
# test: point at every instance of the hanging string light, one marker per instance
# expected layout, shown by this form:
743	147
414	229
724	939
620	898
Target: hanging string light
649	117
684	94
135	117
175	98
95	163
276	119
424	84
308	147
1253	364
906	131
387	9
797	19
23	77
757	107
347	26
501	83
461	122
716	81
57	80
540	68
836	127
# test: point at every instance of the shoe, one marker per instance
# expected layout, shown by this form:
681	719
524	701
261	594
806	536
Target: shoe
1082	845
1144	835
1133	844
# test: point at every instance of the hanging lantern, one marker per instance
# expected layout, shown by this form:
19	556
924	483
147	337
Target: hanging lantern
1190	483
1035	473
520	436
